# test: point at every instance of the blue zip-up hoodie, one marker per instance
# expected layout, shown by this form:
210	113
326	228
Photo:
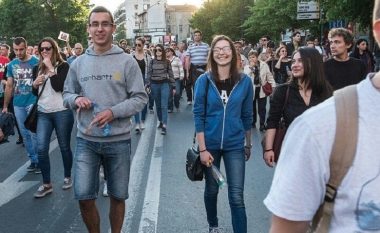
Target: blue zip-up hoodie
225	125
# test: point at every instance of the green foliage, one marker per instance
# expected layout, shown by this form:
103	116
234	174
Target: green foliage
36	19
252	19
221	17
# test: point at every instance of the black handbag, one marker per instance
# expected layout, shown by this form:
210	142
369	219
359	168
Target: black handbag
194	167
30	122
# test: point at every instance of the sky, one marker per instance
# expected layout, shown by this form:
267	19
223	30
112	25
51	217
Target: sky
113	4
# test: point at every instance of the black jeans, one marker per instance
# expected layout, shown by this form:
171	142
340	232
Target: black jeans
261	106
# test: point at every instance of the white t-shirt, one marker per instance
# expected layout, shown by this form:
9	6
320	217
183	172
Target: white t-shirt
50	100
298	185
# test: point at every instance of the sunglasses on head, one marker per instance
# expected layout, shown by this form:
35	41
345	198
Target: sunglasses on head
45	49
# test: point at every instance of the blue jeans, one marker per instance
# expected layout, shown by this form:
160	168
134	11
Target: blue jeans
175	98
30	139
234	162
160	93
116	160
143	115
62	122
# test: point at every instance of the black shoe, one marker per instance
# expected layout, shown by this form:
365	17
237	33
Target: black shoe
262	128
19	141
163	131
32	167
160	125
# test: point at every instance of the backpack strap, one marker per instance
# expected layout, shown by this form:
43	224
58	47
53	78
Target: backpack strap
342	154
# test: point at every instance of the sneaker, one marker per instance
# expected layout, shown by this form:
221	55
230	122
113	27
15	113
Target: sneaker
163	131
170	110
67	183
20	141
142	126
105	189
43	191
215	230
137	129
32	167
188	102
37	170
160	125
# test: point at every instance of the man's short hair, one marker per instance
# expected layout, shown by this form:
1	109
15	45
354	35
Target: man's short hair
100	9
253	53
197	31
238	42
6	46
346	34
266	37
19	40
271	44
295	33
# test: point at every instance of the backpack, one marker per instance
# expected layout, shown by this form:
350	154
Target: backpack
342	154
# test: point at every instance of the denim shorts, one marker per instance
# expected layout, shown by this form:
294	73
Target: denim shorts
116	159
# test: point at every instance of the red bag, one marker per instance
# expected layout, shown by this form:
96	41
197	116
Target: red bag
267	88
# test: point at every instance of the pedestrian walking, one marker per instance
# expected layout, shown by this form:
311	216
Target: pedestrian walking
196	61
178	74
300	180
19	84
260	74
308	87
161	80
105	97
51	72
223	119
342	70
362	53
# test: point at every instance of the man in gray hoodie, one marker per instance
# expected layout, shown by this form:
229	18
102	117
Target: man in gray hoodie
105	88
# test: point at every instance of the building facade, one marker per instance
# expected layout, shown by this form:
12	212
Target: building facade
157	21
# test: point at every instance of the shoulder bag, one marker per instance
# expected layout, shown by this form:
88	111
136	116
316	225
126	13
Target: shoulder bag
194	167
280	132
30	122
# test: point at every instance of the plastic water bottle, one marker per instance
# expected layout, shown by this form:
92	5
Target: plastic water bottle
218	176
107	130
107	127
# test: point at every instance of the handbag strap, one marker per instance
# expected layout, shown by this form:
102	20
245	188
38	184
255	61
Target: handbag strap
207	83
43	87
286	99
342	153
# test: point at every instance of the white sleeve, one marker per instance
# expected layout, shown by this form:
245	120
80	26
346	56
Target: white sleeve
298	185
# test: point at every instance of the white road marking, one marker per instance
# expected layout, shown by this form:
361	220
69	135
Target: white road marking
149	216
12	187
137	170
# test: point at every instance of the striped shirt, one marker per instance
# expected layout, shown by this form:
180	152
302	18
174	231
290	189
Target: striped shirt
198	53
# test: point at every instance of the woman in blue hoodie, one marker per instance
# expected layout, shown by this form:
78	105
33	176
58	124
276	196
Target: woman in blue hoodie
223	118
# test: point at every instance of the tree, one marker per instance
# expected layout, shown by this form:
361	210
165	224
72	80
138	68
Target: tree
221	17
120	22
36	19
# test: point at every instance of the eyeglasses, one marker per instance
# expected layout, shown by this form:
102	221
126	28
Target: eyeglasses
158	50
102	25
226	49
138	45
263	39
45	48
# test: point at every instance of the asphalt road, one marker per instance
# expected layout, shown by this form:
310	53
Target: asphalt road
161	200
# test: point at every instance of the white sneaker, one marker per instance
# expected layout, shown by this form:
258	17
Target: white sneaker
142	126
137	128
105	189
188	102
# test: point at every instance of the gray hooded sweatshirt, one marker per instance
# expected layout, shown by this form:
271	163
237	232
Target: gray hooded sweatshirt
111	80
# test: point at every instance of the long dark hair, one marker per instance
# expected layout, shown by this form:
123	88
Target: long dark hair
356	52
162	52
56	57
314	75
213	67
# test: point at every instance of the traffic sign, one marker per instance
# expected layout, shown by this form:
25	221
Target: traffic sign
307	6
307	15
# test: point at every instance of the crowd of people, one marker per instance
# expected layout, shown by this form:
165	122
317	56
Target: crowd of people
226	82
